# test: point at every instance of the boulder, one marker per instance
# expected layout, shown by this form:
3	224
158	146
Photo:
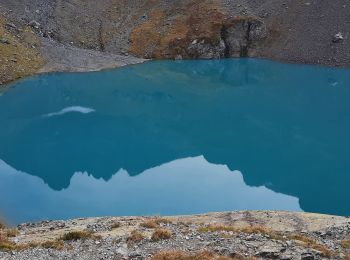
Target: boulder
338	37
206	50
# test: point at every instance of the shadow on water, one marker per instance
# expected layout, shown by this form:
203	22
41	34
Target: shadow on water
285	127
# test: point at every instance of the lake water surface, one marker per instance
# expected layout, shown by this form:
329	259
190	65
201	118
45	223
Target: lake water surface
176	137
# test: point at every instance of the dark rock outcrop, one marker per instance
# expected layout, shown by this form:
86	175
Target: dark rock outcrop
241	35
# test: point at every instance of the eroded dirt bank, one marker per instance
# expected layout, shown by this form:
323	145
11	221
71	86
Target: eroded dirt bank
230	235
314	32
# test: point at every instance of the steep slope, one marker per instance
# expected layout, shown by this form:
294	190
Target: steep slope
314	32
18	52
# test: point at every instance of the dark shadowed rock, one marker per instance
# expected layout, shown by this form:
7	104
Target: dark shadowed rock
241	34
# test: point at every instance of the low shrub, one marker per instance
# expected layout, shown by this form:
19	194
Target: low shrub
154	222
345	244
78	235
115	225
202	255
135	237
55	244
161	234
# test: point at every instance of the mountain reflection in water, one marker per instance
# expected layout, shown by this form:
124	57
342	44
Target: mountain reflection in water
283	126
184	186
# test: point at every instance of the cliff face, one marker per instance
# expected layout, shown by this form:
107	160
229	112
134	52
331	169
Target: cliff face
296	31
198	30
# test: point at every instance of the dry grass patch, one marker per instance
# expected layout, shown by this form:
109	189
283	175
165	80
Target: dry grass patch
169	33
18	58
6	245
217	228
149	224
155	222
345	244
79	235
161	234
247	230
311	243
11	232
135	237
56	244
203	255
147	35
115	225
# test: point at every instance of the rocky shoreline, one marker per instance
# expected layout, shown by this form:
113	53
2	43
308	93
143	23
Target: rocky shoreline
228	235
63	58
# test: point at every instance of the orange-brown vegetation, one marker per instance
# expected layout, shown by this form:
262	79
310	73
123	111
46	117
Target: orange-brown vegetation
135	237
161	234
203	255
154	222
167	34
18	53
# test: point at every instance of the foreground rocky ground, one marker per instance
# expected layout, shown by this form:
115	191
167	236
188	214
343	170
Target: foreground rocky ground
81	35
235	235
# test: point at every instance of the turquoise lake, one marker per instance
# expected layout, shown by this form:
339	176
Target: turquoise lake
176	137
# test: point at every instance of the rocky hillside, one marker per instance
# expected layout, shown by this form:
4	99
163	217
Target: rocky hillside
295	31
224	236
18	51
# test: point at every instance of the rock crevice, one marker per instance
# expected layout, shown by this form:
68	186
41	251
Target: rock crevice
239	37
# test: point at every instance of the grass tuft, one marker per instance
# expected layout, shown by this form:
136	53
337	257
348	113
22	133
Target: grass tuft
217	228
78	235
161	234
135	237
248	230
309	242
56	244
12	232
345	244
115	225
6	245
154	222
202	255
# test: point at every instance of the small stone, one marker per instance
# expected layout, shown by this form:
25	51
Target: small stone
307	256
338	37
34	24
4	41
269	252
11	25
178	57
286	257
